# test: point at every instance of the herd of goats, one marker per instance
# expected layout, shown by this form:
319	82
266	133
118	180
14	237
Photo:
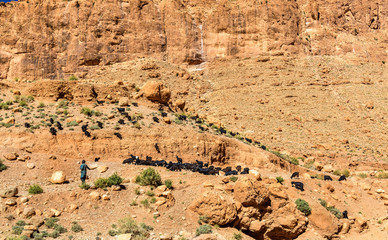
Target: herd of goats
198	166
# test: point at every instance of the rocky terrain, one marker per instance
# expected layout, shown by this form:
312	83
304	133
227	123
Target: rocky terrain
274	86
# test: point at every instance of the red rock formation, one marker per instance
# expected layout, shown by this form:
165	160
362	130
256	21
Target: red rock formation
54	39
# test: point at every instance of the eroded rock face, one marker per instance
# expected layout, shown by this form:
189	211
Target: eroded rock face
55	39
253	207
217	206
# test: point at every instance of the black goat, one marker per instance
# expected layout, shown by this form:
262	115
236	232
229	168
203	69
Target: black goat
100	102
135	104
157	147
121	121
342	178
227	169
345	214
99	124
87	133
118	135
294	175
59	126
248	140
96	159
238	168
53	131
164	114
263	147
148	158
121	110
51	120
155	119
234	172
327	178
84	127
27	125
222	131
298	185
179	159
245	171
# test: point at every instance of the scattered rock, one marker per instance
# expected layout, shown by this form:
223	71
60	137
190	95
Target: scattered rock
180	104
345	226
10	202
11	156
28	212
10	192
380	191
24	199
127	236
330	188
361	223
56	212
124	101
30	227
30	165
9	120
328	168
323	221
208	185
116	188
58	177
94	195
73	207
167	120
105	197
102	169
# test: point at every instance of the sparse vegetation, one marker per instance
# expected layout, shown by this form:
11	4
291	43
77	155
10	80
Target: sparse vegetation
84	186
149	177
303	206
279	179
75	227
2	166
237	236
233	178
363	175
73	78
382	175
103	183
203	229
150	193
168	183
35	189
128	225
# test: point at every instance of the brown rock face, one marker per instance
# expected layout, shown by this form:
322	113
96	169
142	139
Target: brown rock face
218	207
325	222
55	39
250	192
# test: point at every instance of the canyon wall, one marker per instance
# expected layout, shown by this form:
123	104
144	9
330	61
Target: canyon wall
57	38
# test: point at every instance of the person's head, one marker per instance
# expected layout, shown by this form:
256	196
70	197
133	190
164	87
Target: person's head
83	161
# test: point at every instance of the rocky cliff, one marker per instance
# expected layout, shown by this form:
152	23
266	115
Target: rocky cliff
54	39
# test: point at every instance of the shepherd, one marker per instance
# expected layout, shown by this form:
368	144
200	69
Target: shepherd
83	168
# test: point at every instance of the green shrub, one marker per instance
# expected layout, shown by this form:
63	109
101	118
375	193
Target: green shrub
73	78
128	225
41	105
115	179
101	183
168	183
346	173
2	166
363	175
145	203
60	229
203	229
303	206
75	227
323	203
150	193
279	179
233	178
203	219
35	189
335	212
337	172
383	175
149	177
137	191
54	234
309	164
87	111
17	230
72	124
237	236
94	127
51	222
84	186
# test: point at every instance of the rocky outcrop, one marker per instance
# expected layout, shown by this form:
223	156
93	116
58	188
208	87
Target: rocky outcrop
55	39
261	210
156	91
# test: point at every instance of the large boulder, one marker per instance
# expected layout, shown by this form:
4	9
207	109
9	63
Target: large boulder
324	221
285	223
58	177
156	91
217	206
11	156
10	192
250	192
